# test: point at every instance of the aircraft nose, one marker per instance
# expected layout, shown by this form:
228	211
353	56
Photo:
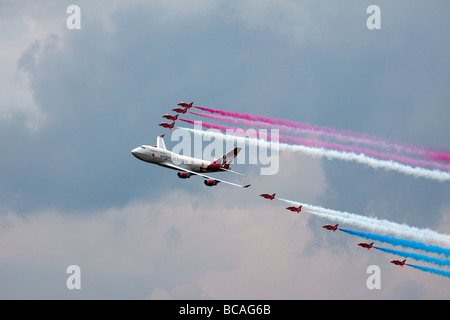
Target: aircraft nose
134	152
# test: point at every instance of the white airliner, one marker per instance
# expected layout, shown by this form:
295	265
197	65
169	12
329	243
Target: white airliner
187	166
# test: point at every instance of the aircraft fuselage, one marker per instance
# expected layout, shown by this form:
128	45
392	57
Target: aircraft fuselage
160	156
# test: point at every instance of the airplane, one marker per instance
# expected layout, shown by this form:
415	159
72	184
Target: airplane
180	110
170	117
399	263
295	209
187	166
365	245
268	196
166	125
185	104
330	227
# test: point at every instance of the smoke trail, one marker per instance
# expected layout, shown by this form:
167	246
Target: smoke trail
249	133
432	270
367	152
440	157
374	224
399	242
260	124
416	256
333	154
319	144
378	224
334	146
429	152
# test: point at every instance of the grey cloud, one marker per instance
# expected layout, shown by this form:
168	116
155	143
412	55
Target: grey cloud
103	89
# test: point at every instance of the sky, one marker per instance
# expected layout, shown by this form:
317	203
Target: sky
75	102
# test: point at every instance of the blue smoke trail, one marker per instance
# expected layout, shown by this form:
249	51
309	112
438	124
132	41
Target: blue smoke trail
400	242
432	270
416	256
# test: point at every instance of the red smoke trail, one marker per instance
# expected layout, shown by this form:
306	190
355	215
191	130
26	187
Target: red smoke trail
440	157
332	146
428	152
249	133
209	125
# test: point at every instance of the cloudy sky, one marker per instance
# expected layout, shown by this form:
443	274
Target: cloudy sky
75	102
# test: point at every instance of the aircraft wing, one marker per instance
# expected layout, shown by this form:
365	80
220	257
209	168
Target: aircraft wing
170	165
228	170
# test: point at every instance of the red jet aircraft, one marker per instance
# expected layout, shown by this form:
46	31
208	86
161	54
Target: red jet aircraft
185	104
365	245
166	125
330	227
180	110
170	117
295	209
399	263
268	196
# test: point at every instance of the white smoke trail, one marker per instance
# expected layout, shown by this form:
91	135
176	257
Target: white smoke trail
371	223
333	154
374	224
321	132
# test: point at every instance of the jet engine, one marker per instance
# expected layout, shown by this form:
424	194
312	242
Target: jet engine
183	175
211	183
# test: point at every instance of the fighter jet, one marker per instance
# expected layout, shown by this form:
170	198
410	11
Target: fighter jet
170	117
330	227
185	104
166	125
187	166
399	263
268	196
295	209
365	245
180	110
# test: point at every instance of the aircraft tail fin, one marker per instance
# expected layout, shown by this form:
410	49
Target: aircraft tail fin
160	142
228	158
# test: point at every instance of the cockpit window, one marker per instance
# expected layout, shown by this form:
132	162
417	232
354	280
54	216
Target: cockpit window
142	147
